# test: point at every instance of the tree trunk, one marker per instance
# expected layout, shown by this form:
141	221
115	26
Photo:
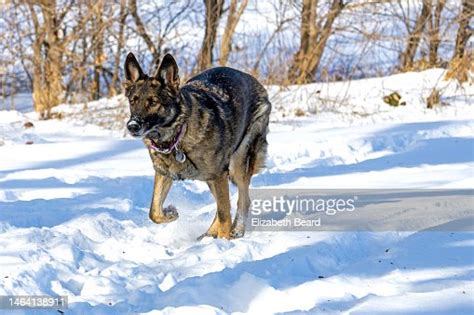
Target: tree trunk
408	56
313	40
47	55
232	21
434	38
39	97
213	15
308	10
53	62
120	43
461	63
464	32
98	41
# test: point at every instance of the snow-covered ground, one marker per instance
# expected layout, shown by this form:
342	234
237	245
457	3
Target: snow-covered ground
74	202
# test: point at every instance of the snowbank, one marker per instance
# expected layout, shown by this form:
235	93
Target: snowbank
74	202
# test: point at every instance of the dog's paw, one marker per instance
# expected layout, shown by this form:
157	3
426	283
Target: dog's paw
237	233
238	227
205	235
168	215
171	211
226	236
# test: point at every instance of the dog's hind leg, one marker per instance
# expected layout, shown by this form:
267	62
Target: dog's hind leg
246	161
221	225
242	168
160	191
242	180
212	230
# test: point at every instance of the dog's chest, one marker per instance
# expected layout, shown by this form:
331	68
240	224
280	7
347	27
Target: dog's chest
167	165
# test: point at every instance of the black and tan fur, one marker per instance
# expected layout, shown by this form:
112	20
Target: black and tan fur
226	113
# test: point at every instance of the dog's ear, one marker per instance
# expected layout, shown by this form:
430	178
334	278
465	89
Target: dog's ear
133	72
168	72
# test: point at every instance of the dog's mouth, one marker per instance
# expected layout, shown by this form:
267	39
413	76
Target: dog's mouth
166	147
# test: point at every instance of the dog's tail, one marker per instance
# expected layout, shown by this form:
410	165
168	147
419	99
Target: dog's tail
251	153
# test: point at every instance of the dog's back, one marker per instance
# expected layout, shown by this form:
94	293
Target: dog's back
235	98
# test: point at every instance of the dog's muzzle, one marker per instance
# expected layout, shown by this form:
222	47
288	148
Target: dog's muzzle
135	128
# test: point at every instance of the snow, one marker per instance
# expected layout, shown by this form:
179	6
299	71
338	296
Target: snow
74	210
22	102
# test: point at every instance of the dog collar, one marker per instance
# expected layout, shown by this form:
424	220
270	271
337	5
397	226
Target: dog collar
180	156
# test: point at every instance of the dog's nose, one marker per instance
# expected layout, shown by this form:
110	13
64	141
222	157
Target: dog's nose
134	127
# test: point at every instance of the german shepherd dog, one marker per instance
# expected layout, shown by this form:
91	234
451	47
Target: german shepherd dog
213	128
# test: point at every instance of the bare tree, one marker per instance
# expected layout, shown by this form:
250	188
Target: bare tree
413	40
97	41
168	15
462	61
47	56
233	17
120	44
433	33
314	33
142	32
56	30
70	50
464	31
275	69
213	14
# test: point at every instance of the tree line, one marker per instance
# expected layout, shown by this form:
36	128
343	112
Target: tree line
72	50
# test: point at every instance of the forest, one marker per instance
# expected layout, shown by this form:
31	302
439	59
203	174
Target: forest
69	51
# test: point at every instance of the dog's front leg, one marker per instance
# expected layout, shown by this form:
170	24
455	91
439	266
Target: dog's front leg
160	191
222	223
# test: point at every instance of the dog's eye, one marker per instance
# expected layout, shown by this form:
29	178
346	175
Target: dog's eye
152	101
134	99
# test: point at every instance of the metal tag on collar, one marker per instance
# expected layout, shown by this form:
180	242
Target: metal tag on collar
180	156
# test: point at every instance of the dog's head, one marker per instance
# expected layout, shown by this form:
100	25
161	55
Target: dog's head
156	112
